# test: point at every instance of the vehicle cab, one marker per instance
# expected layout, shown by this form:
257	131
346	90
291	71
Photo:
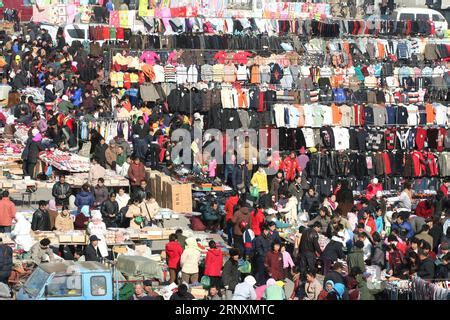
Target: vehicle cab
68	280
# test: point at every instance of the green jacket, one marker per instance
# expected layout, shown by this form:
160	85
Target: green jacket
121	159
364	293
356	259
274	292
65	107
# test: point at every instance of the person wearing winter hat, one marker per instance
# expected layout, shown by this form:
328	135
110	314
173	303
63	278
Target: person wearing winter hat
245	290
231	274
373	188
213	263
98	228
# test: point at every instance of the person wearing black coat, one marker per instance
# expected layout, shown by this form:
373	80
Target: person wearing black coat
426	268
335	274
141	129
110	211
182	294
91	252
262	245
309	246
6	262
332	252
41	218
231	275
61	191
99	153
241	177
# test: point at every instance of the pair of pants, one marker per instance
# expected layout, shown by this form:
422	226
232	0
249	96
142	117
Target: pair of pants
230	233
239	244
30	169
5	229
260	270
154	155
189	277
173	275
307	261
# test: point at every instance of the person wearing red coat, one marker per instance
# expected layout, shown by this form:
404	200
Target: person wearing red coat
274	262
214	263
290	166
373	188
230	204
257	221
424	209
136	173
173	255
369	222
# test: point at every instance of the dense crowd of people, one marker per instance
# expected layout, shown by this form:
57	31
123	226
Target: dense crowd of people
337	236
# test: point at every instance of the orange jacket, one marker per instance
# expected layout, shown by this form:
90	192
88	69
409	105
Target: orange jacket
7	212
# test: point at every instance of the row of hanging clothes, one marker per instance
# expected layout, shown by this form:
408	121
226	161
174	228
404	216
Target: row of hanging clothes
108	129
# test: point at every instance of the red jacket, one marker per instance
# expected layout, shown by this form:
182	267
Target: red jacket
372	190
424	209
274	265
7	212
290	167
370	222
257	222
444	190
213	263
136	173
229	207
173	253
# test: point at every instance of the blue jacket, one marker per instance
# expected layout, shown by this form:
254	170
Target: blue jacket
405	225
76	98
84	199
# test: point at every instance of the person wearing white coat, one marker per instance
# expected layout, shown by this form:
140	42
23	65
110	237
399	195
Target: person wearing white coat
97	227
291	210
22	233
245	290
189	261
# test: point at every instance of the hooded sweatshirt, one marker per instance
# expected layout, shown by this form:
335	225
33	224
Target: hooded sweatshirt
213	263
245	290
173	252
190	257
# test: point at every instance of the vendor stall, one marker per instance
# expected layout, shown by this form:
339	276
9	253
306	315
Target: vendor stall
65	161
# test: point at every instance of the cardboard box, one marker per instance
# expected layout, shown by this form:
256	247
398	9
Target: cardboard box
160	178
179	197
79	238
64	238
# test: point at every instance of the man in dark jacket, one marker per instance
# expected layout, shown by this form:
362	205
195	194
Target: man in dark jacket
426	266
443	270
231	275
100	192
6	261
110	210
61	191
332	252
335	274
92	253
99	153
41	218
211	216
377	258
310	202
261	246
241	177
141	130
309	247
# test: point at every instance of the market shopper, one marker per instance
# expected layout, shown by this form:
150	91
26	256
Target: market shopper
84	197
96	172
213	263
150	208
41	218
136	173
61	191
241	215
7	213
231	275
189	262
110	211
100	192
173	252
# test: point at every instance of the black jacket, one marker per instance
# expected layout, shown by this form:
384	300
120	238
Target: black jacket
61	190
334	276
6	260
33	151
109	209
237	176
426	269
310	242
99	154
333	251
141	132
40	221
231	275
262	245
90	254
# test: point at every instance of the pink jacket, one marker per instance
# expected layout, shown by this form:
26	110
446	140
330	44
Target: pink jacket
287	260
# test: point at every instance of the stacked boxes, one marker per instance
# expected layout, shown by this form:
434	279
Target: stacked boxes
170	193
